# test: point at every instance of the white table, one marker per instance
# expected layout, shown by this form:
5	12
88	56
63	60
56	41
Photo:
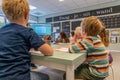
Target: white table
61	61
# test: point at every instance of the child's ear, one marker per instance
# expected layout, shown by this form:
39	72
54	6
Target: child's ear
26	16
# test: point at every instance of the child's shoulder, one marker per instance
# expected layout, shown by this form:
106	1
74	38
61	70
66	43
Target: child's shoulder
92	38
88	38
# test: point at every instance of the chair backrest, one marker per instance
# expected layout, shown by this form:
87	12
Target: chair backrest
110	58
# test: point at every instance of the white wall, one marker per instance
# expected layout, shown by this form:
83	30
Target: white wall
114	47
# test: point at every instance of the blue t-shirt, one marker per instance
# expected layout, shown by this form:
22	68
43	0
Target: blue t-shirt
15	43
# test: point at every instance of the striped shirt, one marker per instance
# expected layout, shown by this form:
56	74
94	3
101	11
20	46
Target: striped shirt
97	56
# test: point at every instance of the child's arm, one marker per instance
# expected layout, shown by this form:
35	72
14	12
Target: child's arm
72	40
46	50
77	47
83	45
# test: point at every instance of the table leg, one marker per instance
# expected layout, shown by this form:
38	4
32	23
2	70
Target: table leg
70	73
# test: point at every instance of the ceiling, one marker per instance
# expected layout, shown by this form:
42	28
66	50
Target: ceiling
46	7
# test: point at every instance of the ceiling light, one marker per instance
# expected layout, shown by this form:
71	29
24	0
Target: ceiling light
61	0
32	7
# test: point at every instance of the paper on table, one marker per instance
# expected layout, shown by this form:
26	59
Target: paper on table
63	49
37	53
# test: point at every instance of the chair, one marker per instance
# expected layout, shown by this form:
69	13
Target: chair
112	71
110	63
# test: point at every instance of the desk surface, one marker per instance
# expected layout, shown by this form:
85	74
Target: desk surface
60	57
61	60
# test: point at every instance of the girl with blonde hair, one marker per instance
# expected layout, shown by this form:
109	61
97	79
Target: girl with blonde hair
96	65
78	36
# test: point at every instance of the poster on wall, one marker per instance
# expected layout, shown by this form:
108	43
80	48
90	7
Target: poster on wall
56	30
113	39
66	28
115	32
56	27
114	36
75	24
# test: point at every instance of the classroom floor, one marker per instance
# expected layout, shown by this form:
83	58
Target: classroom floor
116	67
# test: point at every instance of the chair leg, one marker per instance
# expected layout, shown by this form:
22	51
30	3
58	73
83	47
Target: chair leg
112	72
